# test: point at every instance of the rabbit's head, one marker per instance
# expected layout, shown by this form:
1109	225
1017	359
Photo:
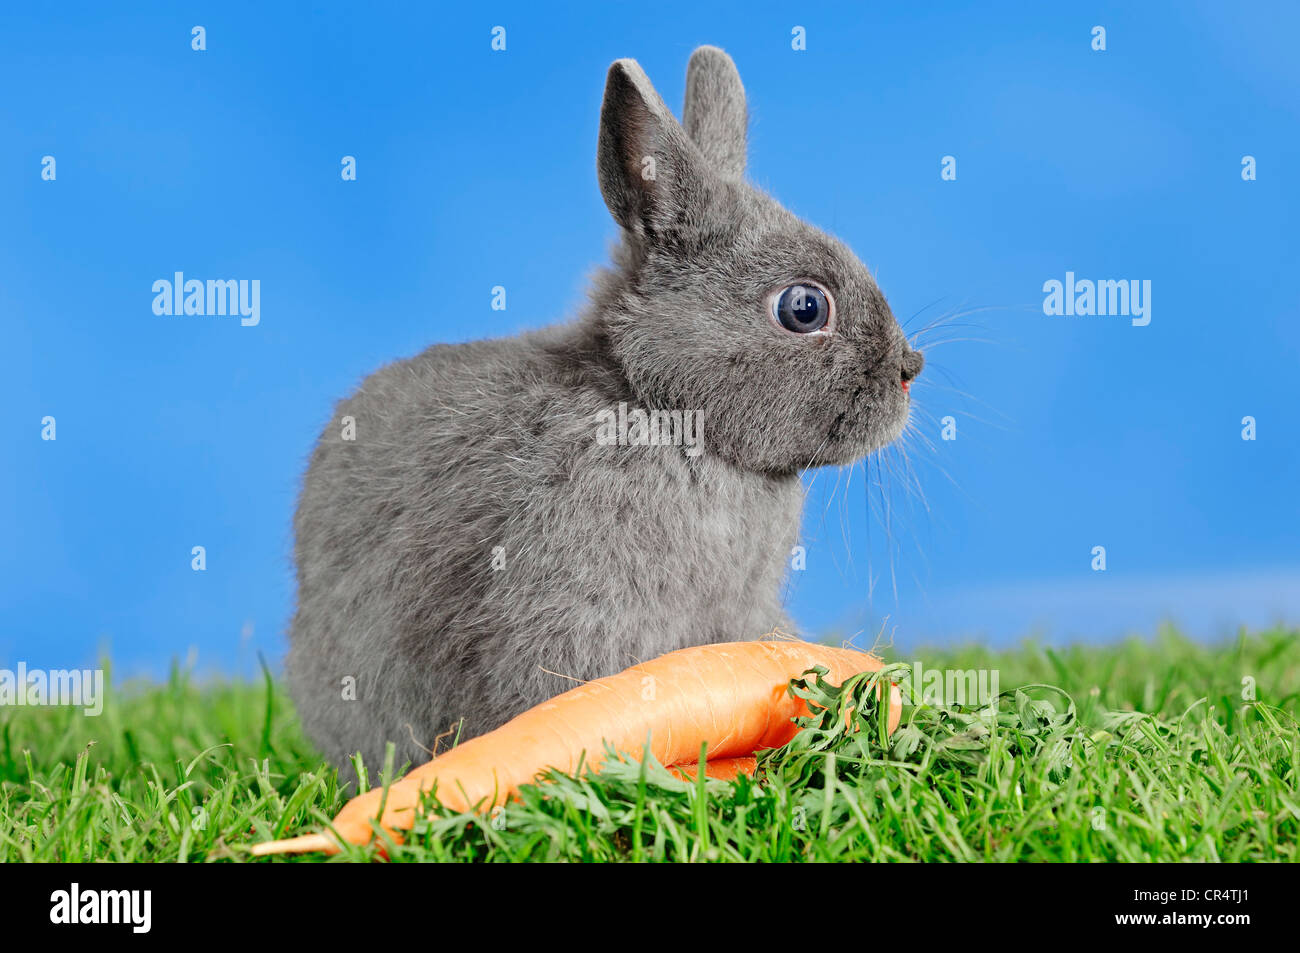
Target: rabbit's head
726	303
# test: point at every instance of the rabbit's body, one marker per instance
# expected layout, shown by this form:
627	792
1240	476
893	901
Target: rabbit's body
477	544
608	554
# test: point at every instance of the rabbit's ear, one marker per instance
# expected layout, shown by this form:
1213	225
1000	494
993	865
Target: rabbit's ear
651	174
714	116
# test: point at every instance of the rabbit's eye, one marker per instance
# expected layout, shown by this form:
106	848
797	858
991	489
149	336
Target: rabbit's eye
803	309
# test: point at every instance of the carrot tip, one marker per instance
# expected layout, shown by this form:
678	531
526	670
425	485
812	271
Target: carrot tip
295	845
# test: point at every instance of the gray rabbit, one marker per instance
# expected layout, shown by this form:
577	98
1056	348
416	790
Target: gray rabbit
500	520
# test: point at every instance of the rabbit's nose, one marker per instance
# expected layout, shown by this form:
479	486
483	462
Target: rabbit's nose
913	361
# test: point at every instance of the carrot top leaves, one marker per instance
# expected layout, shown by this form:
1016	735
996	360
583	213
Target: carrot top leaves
1034	722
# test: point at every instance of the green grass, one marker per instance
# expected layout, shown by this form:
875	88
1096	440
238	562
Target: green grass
1159	750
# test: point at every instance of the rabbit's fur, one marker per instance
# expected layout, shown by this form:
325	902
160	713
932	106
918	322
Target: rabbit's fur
476	548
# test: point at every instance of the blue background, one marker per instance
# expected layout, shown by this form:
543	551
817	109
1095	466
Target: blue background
476	168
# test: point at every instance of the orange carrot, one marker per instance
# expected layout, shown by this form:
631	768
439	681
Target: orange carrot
730	696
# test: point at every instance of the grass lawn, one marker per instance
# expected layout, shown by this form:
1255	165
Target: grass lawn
1154	750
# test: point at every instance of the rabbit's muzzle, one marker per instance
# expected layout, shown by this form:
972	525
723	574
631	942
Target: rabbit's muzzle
913	361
